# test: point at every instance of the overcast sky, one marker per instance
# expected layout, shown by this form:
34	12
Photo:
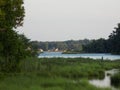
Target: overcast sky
60	20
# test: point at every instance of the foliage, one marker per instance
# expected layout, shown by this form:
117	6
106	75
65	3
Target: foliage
12	48
110	45
11	14
115	80
114	39
56	74
31	51
34	82
67	67
70	45
96	46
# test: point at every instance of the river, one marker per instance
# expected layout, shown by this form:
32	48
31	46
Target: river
83	55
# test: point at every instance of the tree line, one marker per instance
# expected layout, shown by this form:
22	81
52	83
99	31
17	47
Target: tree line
70	45
110	45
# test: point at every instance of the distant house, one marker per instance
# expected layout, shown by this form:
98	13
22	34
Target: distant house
40	50
56	50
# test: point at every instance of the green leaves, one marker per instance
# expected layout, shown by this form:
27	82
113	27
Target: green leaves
11	13
110	45
114	40
12	48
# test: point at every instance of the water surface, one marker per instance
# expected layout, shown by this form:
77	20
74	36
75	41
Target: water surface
84	55
106	82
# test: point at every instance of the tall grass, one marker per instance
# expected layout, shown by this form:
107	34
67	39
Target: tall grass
56	74
68	68
31	82
115	80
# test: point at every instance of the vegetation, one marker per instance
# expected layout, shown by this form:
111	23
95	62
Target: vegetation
11	46
20	71
25	82
115	80
71	67
12	50
68	46
11	14
111	45
97	46
56	74
114	39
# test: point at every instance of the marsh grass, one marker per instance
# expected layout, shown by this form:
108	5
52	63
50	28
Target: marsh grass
32	82
56	74
68	68
115	80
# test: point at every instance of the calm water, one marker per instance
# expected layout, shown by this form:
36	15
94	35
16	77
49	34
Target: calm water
86	55
106	82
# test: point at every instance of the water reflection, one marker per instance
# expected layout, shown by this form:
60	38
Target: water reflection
106	82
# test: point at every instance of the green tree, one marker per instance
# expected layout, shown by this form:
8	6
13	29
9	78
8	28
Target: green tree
12	49
11	14
114	40
96	46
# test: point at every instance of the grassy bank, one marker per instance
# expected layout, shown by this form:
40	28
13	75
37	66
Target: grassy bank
56	74
33	82
115	80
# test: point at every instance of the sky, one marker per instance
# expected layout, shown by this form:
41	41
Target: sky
60	20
